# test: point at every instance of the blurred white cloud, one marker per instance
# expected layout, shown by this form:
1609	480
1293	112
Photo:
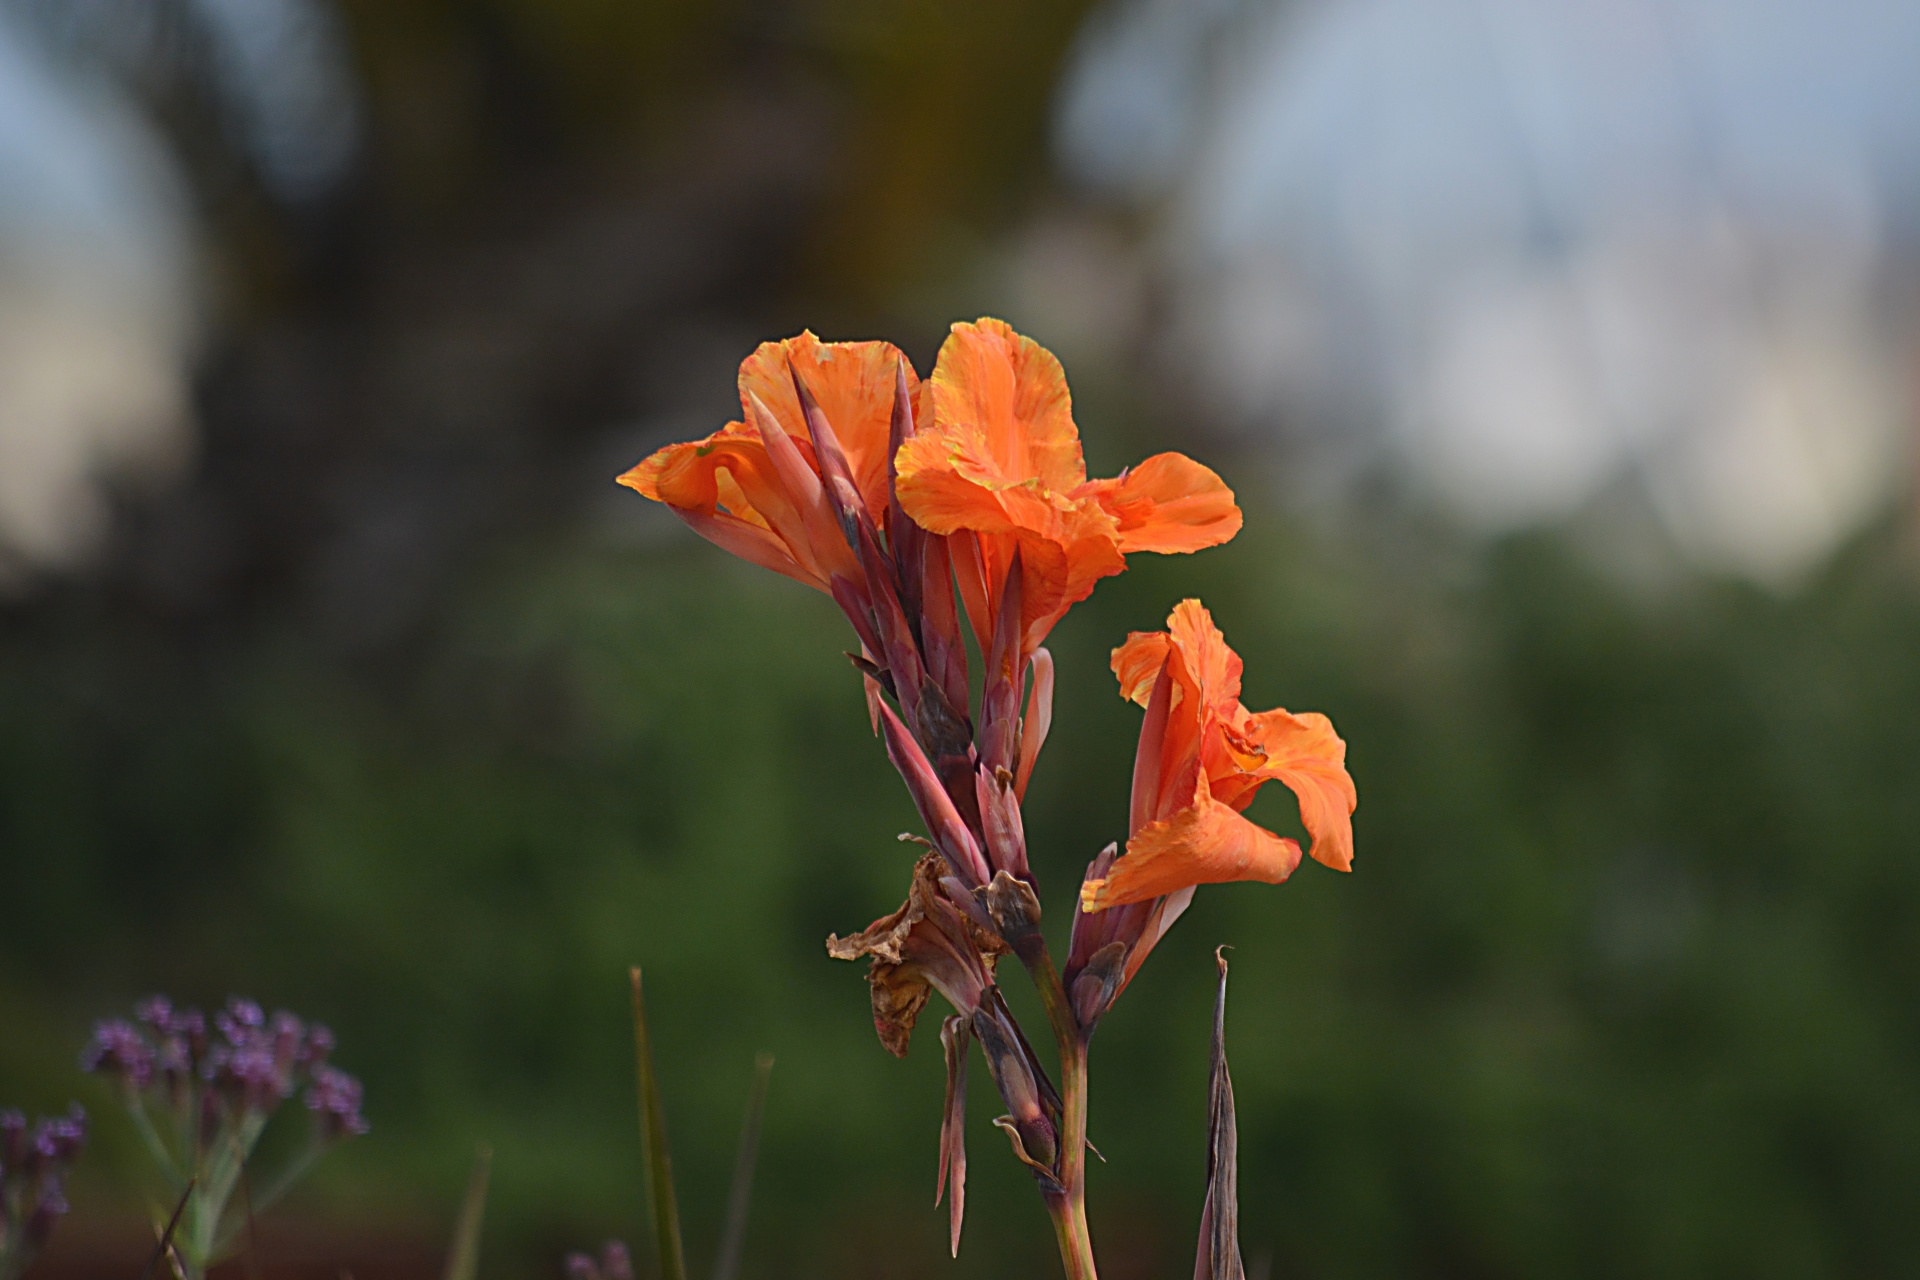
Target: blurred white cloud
96	310
100	290
1530	252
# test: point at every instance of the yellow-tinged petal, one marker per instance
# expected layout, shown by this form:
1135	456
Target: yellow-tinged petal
1207	844
1169	503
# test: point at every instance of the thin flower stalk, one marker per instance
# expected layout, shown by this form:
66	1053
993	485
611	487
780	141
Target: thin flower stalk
201	1092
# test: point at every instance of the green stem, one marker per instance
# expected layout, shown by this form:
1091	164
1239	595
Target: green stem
1069	1208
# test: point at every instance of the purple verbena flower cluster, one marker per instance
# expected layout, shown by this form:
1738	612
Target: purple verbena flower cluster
247	1065
33	1169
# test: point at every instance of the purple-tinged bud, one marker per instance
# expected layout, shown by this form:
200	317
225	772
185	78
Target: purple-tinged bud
1000	821
1013	1075
1094	988
156	1012
289	1038
253	1078
579	1266
118	1050
319	1044
950	834
615	1262
334	1098
238	1018
192	1024
51	1208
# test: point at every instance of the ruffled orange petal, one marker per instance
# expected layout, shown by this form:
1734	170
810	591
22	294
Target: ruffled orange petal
1206	844
1209	665
726	489
950	482
1169	503
853	382
1303	752
1013	391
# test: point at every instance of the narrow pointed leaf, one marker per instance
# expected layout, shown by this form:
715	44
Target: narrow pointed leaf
165	1242
463	1254
1218	1257
734	1238
955	1039
653	1134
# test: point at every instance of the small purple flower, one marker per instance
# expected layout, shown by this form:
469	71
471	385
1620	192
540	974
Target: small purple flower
319	1044
238	1019
614	1263
120	1051
334	1098
33	1170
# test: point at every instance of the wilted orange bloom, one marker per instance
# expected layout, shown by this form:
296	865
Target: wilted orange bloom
928	944
1202	757
998	456
755	487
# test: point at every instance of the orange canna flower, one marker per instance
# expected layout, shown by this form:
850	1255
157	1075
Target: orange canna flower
999	459
1202	757
757	487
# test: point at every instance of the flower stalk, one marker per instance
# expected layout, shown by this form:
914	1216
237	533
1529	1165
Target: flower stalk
899	497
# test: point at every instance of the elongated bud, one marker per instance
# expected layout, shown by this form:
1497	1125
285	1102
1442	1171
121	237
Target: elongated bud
1018	1088
1006	675
1000	821
1094	989
806	521
906	541
950	835
836	474
897	645
940	639
1146	758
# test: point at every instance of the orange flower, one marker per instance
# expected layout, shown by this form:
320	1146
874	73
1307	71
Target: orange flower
1000	459
1202	757
757	487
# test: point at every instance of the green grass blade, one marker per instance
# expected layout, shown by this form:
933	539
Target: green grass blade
739	1198
653	1133
166	1237
463	1256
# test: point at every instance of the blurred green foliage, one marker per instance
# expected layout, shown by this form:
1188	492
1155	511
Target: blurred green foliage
1624	980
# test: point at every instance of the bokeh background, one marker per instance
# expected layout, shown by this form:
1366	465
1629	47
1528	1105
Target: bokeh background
1562	353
